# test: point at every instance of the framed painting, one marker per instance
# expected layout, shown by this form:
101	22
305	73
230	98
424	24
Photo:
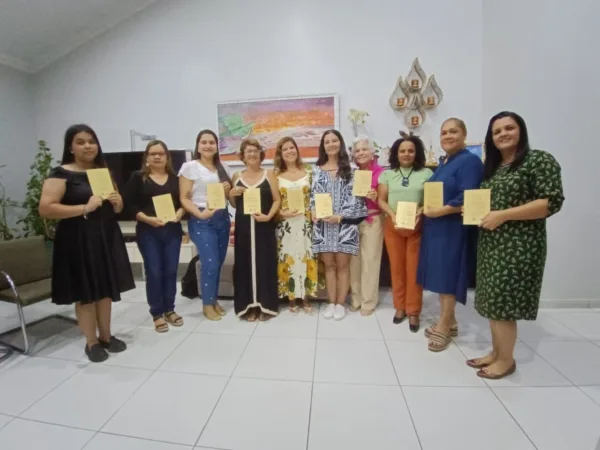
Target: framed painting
477	149
304	118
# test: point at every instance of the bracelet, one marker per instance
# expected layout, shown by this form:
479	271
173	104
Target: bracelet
84	212
339	219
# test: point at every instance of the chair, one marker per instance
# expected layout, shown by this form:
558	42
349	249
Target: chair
25	279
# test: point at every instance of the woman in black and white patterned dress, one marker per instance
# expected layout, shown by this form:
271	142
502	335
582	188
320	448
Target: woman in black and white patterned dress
335	238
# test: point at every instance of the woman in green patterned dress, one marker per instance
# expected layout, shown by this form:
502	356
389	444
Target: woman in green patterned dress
526	189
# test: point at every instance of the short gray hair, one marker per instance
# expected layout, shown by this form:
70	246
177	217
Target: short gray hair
363	138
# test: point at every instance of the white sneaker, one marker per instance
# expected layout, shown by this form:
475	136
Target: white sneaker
329	311
340	312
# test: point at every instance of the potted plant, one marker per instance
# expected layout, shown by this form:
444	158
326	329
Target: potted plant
32	223
6	204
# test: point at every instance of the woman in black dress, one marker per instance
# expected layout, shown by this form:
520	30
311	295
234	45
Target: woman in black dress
90	263
255	267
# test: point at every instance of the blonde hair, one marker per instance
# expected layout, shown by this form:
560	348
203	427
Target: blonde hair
278	163
146	168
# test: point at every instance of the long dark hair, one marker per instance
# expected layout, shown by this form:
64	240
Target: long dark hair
344	169
223	177
419	153
493	157
70	134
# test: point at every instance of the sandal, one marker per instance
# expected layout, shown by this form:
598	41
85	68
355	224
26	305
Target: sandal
431	328
366	312
264	317
438	342
174	319
308	308
474	364
484	372
219	309
251	316
293	307
211	313
160	325
354	308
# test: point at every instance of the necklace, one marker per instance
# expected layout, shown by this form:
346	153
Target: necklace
405	178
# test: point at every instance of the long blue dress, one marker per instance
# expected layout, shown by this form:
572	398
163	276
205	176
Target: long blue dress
447	255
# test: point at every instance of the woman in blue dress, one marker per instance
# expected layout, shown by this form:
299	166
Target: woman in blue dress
447	255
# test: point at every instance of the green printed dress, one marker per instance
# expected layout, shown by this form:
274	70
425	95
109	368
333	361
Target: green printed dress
511	259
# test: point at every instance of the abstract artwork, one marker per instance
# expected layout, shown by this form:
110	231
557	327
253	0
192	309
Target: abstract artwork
477	149
303	118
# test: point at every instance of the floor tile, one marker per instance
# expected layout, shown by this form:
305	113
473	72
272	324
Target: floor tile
279	359
147	349
4	420
476	418
40	334
338	418
208	354
27	381
584	323
106	388
129	314
170	407
532	369
260	415
593	392
578	361
353	326
108	441
229	324
24	434
360	362
417	366
544	329
299	325
555	418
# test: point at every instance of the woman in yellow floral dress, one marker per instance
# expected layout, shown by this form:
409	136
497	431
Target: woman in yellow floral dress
297	265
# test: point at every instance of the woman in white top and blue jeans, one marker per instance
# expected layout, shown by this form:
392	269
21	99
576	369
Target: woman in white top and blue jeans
208	228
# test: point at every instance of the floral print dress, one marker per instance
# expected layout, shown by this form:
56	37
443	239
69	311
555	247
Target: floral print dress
297	269
511	259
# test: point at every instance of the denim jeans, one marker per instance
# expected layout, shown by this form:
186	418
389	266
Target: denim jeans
211	238
160	248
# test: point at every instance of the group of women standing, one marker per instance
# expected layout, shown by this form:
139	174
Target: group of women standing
283	253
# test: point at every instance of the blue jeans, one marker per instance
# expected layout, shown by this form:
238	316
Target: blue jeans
211	238
160	248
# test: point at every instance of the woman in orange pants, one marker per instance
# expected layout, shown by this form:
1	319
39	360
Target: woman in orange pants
404	183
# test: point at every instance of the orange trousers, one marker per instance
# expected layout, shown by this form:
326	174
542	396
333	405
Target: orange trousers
403	251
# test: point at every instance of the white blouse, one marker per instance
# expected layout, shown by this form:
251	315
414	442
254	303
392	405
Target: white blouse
201	176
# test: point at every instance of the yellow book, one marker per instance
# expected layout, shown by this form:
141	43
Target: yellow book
295	198
434	195
100	182
406	215
477	206
252	201
215	193
165	210
362	183
323	205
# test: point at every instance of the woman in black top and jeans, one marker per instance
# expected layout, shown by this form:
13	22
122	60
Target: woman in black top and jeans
159	242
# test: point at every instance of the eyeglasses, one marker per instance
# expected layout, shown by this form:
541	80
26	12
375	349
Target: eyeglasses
159	155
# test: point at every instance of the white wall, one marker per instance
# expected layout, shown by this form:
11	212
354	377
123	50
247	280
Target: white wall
163	71
540	61
17	131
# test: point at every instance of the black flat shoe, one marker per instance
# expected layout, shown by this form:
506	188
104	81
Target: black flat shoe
96	353
415	327
114	345
398	320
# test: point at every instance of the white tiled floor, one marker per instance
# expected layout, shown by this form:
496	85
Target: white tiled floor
300	382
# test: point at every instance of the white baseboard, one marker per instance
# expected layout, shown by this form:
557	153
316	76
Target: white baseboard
569	303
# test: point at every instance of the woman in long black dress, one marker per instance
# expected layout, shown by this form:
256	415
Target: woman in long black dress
255	267
90	263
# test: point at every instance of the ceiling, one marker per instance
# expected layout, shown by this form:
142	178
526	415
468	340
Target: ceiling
35	33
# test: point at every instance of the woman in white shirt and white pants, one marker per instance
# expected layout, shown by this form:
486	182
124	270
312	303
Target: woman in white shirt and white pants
208	229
